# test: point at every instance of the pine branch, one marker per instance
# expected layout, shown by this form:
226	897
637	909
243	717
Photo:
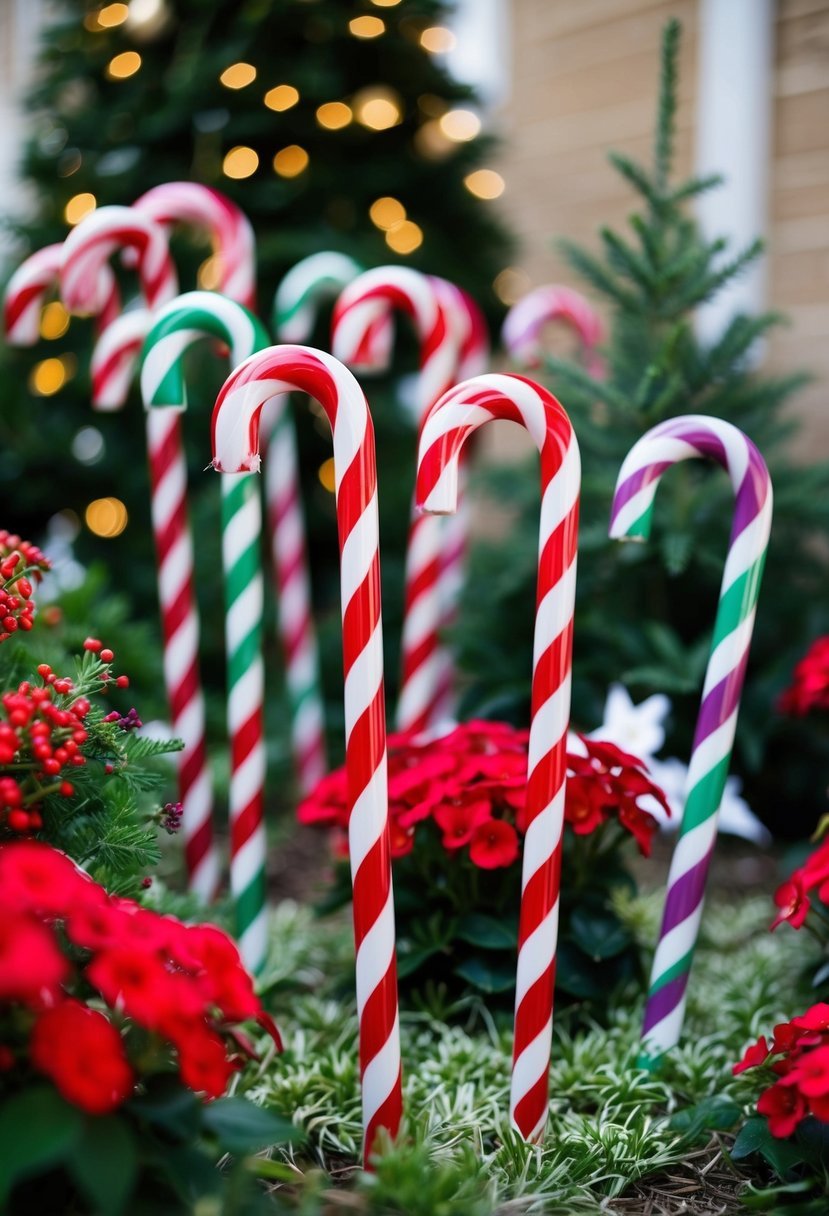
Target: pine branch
666	119
591	269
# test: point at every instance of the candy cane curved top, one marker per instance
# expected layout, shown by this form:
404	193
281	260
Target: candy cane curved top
114	358
230	230
92	242
449	424
471	332
185	320
284	369
33	281
679	439
373	296
521	332
315	279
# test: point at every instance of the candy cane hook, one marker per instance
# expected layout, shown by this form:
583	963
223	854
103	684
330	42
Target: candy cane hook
176	328
449	424
285	369
688	438
523	325
34	280
362	305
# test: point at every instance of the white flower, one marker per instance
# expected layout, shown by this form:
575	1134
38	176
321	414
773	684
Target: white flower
736	816
638	729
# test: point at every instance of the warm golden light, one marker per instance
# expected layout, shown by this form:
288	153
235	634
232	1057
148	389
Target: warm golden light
485	183
431	142
290	161
240	161
91	23
111	15
334	115
123	65
47	377
282	97
437	39
385	3
106	517
378	109
460	125
386	212
209	274
326	475
238	75
511	284
367	27
54	321
78	206
405	237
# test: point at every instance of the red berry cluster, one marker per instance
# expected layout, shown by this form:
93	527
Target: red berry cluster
18	560
171	993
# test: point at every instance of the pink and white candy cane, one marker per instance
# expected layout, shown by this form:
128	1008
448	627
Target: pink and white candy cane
450	423
521	333
234	243
286	369
31	284
356	314
87	248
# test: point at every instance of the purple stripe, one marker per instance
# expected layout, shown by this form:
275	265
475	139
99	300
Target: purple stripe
664	1002
685	895
752	494
721	702
634	483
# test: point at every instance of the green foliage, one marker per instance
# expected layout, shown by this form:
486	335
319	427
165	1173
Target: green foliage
611	1124
174	120
160	1152
644	612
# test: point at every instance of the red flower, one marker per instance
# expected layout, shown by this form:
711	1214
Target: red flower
32	968
82	1052
810	687
792	901
458	821
494	844
755	1054
783	1106
816	1018
811	1073
37	877
202	1060
584	805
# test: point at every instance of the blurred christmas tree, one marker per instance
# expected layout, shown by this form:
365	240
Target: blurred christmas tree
644	613
305	112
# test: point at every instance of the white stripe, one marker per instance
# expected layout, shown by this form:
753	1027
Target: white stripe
728	653
676	944
533	1062
381	1073
665	1034
180	650
162	355
245	695
711	751
244	614
244	527
247	863
368	818
549	723
554	612
749	545
253	943
364	679
359	551
542	837
189	724
416	694
537	953
562	492
247	781
375	954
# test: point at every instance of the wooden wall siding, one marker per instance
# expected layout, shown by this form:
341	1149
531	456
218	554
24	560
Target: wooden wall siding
584	82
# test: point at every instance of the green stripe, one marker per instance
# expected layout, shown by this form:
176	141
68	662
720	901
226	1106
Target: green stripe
676	969
250	902
705	798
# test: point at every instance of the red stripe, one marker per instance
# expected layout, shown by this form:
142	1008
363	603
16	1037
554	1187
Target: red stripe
388	1116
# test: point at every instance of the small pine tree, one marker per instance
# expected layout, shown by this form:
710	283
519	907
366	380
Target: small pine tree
644	613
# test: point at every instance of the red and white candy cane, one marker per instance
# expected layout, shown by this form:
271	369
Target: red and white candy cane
31	284
451	421
521	333
356	314
286	369
87	248
231	234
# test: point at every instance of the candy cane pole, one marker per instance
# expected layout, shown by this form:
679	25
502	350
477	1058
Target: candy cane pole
521	333
114	228
183	322
231	234
449	424
34	280
679	439
284	369
472	336
360	307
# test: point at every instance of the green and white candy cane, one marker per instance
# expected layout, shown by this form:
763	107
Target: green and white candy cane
687	438
184	321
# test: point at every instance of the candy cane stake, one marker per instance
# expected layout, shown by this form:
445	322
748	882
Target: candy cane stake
34	280
115	356
231	234
679	439
362	306
177	327
87	248
521	333
451	421
285	369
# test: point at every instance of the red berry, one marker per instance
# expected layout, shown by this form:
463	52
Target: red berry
122	681
107	656
109	768
35	821
9	624
44	670
52	767
18	821
24	588
146	882
67	789
92	644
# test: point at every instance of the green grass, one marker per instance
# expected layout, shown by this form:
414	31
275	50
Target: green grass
610	1123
